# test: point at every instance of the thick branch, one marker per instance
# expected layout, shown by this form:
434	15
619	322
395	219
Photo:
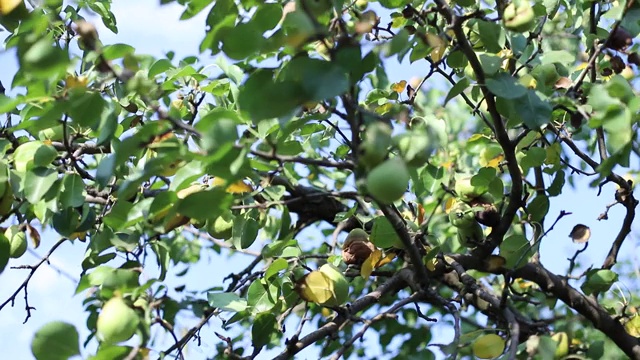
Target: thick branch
584	305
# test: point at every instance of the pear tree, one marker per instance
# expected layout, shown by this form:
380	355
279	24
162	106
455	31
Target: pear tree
395	170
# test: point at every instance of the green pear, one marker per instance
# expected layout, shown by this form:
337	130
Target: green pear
471	235
388	181
461	215
117	322
375	145
17	240
519	18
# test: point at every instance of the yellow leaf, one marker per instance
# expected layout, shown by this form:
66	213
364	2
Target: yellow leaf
431	264
385	260
175	222
383	109
34	235
495	262
190	190
144	352
316	287
369	264
399	86
449	204
420	214
237	187
439	46
495	162
326	312
81	235
633	326
581	66
73	81
7	6
488	346
524	284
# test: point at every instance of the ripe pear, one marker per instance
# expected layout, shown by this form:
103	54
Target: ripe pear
117	322
388	181
562	349
340	285
17	240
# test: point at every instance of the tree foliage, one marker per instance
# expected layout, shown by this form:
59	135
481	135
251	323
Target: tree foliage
297	138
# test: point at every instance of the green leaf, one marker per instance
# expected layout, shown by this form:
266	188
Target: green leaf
205	205
227	301
218	128
558	56
249	233
457	89
32	154
55	341
84	105
383	235
159	67
44	58
391	4
38	182
319	80
275	267
115	279
72	191
538	208
505	86
516	250
534	157
105	170
262	99
242	41
263	328
194	7
259	296
111	352
492	35
267	16
599	281
532	110
117	51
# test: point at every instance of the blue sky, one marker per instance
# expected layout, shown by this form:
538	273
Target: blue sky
154	30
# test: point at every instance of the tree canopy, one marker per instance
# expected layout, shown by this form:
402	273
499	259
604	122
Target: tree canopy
389	217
